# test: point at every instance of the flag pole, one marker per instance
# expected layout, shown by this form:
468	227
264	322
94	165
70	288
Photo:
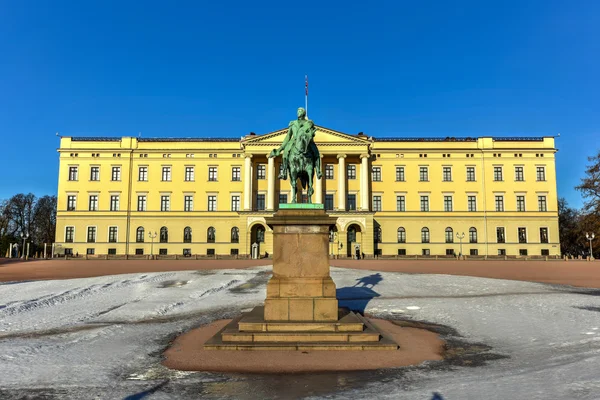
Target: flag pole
306	95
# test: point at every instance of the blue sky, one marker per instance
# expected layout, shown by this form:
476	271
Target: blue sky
393	68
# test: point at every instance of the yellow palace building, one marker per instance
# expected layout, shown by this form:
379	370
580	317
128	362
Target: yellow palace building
391	196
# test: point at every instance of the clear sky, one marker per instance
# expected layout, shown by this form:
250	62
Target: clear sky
225	68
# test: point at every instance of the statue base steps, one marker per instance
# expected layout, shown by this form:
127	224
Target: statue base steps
251	332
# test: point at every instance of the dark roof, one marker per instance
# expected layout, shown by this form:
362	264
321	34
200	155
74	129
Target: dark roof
188	140
458	139
96	139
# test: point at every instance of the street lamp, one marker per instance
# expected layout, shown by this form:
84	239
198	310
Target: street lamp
25	237
460	237
590	237
152	236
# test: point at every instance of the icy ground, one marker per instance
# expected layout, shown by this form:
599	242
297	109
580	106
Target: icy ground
102	338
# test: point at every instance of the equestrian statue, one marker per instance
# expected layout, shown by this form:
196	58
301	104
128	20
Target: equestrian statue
300	155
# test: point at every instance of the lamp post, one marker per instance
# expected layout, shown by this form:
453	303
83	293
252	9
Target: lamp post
590	237
460	237
25	237
152	236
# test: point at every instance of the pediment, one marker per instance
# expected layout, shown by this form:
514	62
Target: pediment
323	136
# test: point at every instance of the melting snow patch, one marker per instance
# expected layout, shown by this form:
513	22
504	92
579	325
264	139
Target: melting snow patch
413	308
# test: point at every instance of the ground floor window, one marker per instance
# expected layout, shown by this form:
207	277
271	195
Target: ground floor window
210	252
425	252
474	252
68	252
449	252
401	252
90	252
112	252
522	252
501	252
187	252
234	252
139	252
162	252
545	252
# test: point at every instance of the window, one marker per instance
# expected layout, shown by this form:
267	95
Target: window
112	252
497	173
143	174
234	252
423	174
90	252
399	174
500	237
261	171
351	202
235	235
520	203
235	203
545	252
351	171
260	201
543	235
401	252
351	234
447	203
212	174
210	252
522	235
162	252
141	203
166	174
522	252
91	234
112	234
165	203
164	235
211	234
541	173
212	203
425	252
94	173
188	203
328	171
450	252
401	235
69	234
72	173
187	235
116	174
519	174
542	203
71	203
425	235
499	203
376	203
93	206
447	174
470	174
376	174
187	252
329	202
400	203
501	252
472	203
189	174
281	169
449	235
473	252
260	234
472	235
139	235
114	203
283	198
236	174
424	203
377	238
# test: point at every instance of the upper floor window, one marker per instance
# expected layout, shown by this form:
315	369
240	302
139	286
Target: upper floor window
116	174
329	202
114	203
541	173
522	235
143	174
94	173
400	203
235	203
93	205
112	234
542	203
399	174
73	173
519	176
497	173
188	203
543	235
261	171
401	235
212	174
520	203
91	234
236	174
377	203
472	203
423	174
141	203
499	203
165	203
447	174
283	198
328	171
447	203
376	174
500	237
424	203
71	202
351	171
470	174
351	202
189	174
69	234
166	174
260	201
212	203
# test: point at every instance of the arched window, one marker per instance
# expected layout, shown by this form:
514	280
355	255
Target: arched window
139	234
449	235
352	234
260	234
401	235
235	235
425	235
187	235
164	235
332	233
378	235
472	235
211	233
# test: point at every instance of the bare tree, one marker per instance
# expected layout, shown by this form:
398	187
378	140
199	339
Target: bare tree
590	185
20	211
44	217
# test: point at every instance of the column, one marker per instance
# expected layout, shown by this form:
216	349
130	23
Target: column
270	183
341	182
319	184
364	182
248	183
10	249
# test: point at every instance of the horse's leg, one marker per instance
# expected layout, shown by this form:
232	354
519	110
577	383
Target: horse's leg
293	181
311	191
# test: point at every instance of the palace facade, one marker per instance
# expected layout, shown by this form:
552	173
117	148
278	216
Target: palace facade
391	196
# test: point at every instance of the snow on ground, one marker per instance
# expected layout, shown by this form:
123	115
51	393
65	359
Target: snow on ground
102	337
